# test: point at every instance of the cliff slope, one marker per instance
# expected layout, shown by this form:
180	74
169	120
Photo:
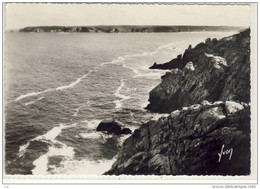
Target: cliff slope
203	138
214	70
206	139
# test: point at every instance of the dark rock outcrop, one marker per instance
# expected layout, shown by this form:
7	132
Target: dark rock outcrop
174	63
112	127
214	70
203	139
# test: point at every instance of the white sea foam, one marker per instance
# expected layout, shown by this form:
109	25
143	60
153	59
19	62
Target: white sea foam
84	167
92	135
48	137
91	130
22	149
80	107
136	71
77	111
138	55
123	97
150	74
122	139
73	83
121	59
33	101
32	94
93	124
115	61
52	134
41	164
141	72
102	137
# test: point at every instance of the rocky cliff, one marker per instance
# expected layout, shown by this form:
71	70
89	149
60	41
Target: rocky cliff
208	133
126	29
203	139
214	70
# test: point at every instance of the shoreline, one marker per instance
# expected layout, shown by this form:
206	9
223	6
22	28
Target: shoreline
127	29
202	121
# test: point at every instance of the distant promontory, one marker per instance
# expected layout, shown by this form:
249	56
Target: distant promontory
126	29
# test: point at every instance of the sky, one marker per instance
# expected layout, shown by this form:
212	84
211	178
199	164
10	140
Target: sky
38	14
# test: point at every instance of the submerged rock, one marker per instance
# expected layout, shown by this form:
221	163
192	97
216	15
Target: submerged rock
112	127
190	142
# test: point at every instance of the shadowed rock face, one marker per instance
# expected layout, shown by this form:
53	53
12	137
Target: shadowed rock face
220	71
203	139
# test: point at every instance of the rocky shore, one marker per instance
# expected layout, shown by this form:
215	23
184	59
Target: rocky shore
207	95
126	29
189	141
214	70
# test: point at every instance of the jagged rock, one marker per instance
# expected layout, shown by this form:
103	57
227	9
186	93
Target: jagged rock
233	107
112	127
188	142
210	138
175	63
190	66
221	72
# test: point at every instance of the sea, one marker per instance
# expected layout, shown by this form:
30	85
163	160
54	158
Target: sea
59	86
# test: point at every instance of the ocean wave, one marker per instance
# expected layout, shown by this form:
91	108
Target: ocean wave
48	137
118	103
41	164
94	135
84	167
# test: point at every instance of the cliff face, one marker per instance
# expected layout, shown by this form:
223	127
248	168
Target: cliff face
203	138
206	139
214	70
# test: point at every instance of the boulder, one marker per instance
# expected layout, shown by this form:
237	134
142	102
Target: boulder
126	131
112	127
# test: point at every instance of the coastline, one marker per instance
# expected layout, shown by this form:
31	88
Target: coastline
126	29
167	146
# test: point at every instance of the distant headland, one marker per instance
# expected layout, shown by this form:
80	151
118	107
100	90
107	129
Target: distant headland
127	29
